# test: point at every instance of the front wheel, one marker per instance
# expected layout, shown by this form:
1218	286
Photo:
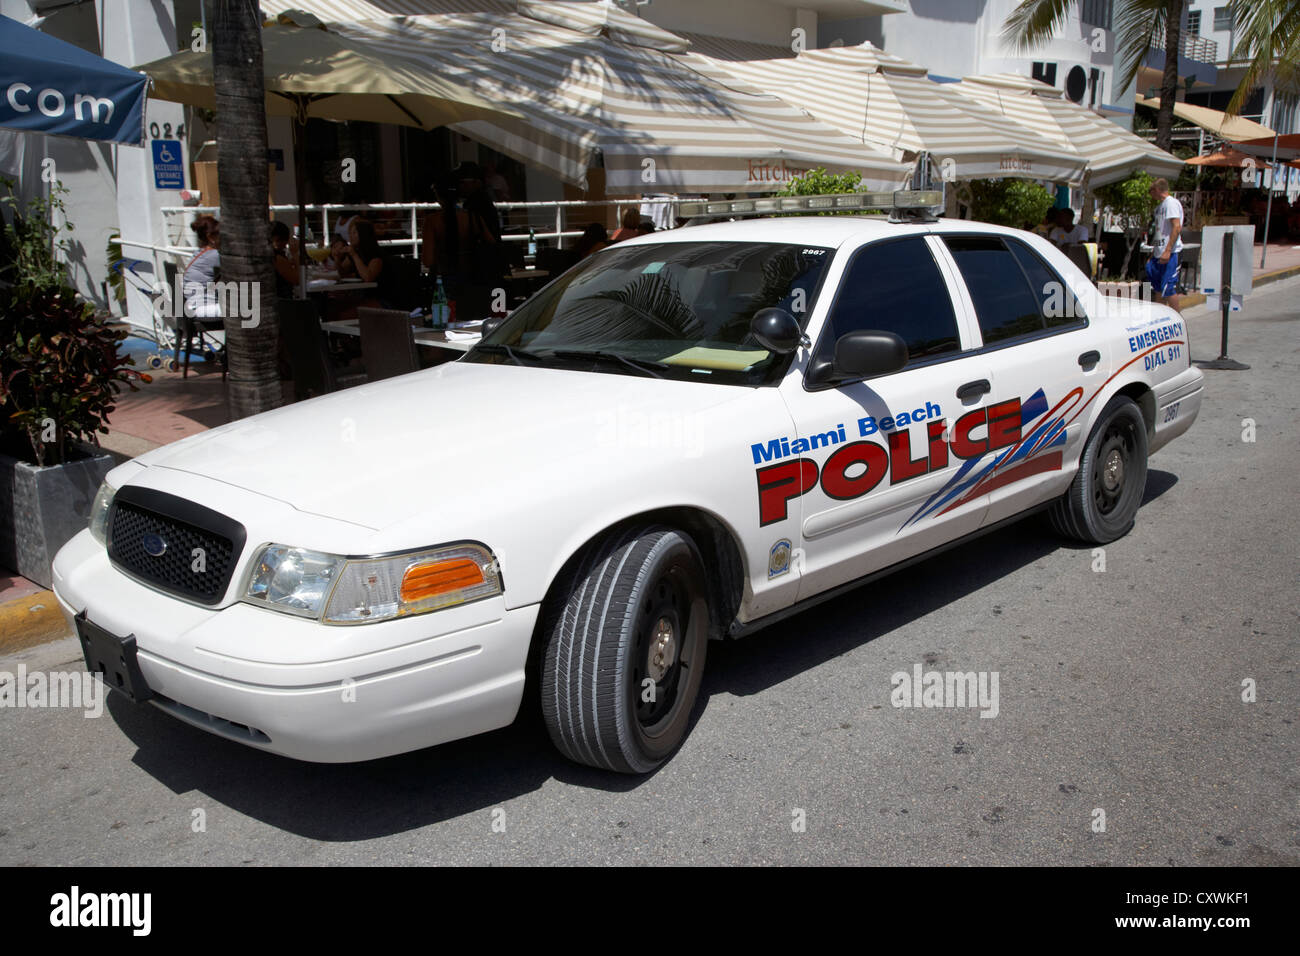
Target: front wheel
625	643
1104	497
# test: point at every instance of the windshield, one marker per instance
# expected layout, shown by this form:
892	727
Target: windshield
670	310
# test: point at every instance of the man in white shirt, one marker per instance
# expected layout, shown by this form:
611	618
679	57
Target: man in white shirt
1066	232
1162	270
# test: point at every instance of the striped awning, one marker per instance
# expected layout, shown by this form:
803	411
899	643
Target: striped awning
1111	151
659	125
887	103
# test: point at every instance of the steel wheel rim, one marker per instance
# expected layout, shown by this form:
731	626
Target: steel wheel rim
1111	467
665	619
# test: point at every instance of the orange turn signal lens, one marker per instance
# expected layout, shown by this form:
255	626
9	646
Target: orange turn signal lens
424	581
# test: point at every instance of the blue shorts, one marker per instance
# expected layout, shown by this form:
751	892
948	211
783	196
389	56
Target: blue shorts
1163	276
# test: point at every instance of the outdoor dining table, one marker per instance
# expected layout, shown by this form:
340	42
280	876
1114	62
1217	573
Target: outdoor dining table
432	338
322	286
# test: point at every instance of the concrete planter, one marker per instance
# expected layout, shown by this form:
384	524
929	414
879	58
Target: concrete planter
42	508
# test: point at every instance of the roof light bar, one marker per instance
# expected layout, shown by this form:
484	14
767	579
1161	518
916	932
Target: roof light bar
903	199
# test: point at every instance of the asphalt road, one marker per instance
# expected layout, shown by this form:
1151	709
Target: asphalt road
1119	691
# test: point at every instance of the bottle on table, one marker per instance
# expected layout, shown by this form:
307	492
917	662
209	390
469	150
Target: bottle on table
440	308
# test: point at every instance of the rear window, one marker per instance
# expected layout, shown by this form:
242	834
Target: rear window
1005	304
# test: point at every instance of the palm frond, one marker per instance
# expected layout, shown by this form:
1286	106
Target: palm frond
1139	28
1035	21
649	305
1268	34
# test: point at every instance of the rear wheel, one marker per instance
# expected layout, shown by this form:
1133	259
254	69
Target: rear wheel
1104	497
625	646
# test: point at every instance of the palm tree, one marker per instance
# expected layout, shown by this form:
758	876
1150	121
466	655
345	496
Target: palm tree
242	179
1268	36
1138	24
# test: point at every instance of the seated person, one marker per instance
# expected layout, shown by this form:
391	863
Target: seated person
366	258
1066	232
203	270
593	239
339	260
284	257
631	224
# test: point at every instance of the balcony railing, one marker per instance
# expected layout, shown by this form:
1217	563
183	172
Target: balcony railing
1199	49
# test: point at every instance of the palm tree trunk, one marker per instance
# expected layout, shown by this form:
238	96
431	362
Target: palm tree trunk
1169	81
251	347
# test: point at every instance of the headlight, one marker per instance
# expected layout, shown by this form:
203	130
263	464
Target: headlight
362	590
292	579
99	511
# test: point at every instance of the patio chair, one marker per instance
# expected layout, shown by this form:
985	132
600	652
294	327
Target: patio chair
189	327
304	344
387	343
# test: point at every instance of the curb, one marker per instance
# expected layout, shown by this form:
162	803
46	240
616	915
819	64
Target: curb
1280	274
31	620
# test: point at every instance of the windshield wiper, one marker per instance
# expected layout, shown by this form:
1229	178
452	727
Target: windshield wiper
515	355
641	366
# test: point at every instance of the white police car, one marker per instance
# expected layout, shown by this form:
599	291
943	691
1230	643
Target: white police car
689	435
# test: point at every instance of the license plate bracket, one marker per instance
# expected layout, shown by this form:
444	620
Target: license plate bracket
113	658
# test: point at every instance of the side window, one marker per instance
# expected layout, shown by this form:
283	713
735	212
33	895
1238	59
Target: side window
1004	303
1057	302
896	286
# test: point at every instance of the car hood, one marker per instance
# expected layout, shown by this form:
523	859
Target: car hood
370	454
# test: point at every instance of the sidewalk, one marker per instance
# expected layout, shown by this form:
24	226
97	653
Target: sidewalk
169	408
1282	261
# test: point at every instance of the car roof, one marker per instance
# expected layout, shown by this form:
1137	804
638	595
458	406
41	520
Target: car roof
831	231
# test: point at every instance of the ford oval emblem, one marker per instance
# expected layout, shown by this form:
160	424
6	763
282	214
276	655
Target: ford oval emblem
153	544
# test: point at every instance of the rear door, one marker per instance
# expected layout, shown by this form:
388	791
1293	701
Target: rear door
1045	360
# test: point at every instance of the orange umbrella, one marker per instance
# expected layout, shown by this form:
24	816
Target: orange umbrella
1224	157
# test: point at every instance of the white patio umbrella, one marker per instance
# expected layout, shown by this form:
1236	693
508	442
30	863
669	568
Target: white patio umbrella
310	71
888	103
595	83
1110	151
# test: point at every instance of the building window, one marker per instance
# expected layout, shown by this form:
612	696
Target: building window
1285	109
1096	13
1223	18
1194	23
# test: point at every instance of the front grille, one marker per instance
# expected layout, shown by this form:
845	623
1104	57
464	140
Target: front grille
199	547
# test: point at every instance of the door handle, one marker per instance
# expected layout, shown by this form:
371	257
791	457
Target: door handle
974	389
1089	358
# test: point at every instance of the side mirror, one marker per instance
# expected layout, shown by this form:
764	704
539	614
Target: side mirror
777	331
869	352
858	355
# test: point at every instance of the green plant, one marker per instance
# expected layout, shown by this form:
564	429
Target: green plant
29	251
60	369
1129	200
1007	202
818	182
113	257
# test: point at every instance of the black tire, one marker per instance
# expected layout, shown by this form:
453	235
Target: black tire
1104	497
632	608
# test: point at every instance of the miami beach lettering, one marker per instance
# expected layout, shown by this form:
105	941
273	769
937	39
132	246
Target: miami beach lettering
855	468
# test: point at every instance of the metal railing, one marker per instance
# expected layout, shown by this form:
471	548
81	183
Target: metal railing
400	224
1199	49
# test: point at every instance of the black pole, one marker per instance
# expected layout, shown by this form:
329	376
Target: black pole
1225	307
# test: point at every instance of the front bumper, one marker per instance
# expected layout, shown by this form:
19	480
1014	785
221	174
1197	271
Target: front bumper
302	689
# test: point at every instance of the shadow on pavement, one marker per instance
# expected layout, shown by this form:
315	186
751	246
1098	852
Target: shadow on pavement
348	802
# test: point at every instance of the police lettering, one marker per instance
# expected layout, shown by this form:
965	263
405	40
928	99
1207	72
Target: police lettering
856	468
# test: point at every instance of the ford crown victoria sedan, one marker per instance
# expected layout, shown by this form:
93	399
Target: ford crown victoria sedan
689	435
